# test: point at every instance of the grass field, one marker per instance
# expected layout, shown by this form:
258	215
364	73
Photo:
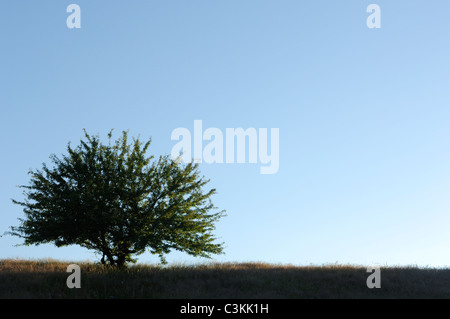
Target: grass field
47	279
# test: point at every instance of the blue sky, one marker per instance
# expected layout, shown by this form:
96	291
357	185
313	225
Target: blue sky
363	114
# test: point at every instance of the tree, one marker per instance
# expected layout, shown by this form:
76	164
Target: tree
118	201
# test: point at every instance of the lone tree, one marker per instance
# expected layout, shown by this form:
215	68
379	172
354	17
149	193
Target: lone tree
118	201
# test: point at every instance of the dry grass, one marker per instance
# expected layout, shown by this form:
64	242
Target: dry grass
47	279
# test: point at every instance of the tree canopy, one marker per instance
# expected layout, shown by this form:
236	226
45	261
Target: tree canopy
115	199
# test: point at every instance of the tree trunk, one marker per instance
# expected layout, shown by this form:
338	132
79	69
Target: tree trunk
120	261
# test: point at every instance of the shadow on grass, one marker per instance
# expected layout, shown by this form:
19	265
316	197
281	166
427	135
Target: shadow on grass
47	279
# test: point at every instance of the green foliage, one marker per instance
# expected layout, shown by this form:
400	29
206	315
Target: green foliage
118	201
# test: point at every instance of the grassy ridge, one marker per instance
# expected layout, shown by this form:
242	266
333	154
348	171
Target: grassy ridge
47	279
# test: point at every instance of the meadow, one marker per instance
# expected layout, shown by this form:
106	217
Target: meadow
46	279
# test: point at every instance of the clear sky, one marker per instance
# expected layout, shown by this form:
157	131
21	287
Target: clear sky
363	115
